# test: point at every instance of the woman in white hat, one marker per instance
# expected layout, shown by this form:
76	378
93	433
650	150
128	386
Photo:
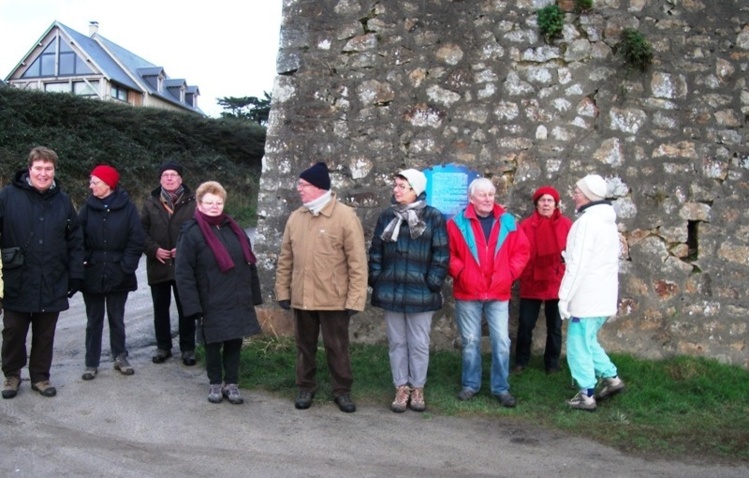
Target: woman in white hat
588	294
408	262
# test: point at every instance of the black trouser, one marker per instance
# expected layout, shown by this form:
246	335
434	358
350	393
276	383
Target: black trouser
161	294
334	325
529	309
15	330
115	308
226	363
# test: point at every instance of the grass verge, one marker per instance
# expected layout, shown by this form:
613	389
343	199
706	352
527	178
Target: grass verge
680	408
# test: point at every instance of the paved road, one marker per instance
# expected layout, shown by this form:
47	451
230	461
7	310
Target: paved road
158	423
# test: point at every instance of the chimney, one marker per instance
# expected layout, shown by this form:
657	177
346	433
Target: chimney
93	28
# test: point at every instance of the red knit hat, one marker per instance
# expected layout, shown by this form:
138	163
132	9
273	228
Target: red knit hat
107	174
546	190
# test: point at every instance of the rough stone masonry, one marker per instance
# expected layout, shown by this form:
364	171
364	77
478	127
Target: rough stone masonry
373	86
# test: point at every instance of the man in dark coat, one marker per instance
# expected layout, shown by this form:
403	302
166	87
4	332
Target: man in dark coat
164	212
42	246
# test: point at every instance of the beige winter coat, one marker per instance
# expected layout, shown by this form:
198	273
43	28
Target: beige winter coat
323	262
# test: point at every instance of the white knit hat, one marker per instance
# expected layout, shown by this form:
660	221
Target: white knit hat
594	187
416	179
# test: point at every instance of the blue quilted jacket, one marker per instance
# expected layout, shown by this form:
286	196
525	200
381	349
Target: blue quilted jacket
407	275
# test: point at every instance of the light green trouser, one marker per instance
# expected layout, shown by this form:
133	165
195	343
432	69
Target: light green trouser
585	356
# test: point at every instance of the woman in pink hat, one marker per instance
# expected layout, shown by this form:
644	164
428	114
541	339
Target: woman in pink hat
547	231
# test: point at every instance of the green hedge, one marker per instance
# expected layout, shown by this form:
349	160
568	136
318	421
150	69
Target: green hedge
87	132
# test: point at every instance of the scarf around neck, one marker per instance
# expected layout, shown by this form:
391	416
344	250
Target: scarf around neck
170	199
316	205
413	214
207	223
547	249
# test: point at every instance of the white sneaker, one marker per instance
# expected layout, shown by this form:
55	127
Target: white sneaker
582	401
611	386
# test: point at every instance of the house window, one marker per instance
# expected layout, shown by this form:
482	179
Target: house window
57	87
51	60
118	93
83	88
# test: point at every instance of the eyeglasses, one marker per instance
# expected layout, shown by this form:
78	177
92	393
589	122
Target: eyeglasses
93	182
212	203
170	175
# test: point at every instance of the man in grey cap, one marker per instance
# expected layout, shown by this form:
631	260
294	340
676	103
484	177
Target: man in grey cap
589	289
322	276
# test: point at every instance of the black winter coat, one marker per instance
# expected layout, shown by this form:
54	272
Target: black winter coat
162	230
46	226
114	241
407	275
225	300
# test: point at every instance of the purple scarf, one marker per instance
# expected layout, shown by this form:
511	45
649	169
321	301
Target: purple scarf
219	251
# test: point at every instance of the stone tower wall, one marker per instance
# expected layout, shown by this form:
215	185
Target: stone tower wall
370	87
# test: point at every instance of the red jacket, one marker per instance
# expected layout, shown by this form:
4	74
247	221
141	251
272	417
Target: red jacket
481	270
541	278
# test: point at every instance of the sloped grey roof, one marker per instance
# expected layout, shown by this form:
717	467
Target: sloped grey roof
101	58
123	66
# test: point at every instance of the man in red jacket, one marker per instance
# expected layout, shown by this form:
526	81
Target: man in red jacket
487	254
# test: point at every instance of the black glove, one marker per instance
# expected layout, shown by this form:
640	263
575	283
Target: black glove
74	285
351	312
1	307
285	304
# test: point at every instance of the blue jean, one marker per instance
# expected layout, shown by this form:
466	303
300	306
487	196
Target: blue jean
468	315
585	356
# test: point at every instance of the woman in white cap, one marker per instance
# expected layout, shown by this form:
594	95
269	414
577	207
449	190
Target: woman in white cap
588	294
408	262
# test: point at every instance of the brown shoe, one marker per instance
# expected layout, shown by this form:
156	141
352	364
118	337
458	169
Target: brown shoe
402	394
44	388
417	400
11	386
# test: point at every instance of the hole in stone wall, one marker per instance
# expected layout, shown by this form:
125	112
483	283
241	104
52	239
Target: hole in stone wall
692	241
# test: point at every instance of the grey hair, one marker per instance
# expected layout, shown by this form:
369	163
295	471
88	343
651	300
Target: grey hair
483	184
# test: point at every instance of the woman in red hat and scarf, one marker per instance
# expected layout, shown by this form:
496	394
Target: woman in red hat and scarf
547	231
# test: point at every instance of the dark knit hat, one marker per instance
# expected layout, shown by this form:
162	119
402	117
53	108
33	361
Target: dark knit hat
108	174
546	190
317	176
170	165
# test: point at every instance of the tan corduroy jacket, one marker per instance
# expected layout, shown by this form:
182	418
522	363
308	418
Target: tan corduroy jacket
323	262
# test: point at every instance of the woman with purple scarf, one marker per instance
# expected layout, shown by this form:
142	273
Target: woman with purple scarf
218	285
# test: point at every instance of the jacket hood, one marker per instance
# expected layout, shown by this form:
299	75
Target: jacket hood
21	180
119	199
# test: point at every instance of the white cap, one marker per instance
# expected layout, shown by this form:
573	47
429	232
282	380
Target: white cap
594	187
416	179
